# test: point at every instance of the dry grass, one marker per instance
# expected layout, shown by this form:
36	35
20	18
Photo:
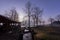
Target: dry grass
45	33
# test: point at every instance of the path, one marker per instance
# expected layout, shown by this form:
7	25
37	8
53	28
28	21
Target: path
27	35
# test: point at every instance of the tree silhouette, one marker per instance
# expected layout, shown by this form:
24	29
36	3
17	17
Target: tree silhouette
34	19
58	17
12	14
43	22
37	13
51	20
28	10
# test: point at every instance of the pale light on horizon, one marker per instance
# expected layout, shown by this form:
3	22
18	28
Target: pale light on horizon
20	18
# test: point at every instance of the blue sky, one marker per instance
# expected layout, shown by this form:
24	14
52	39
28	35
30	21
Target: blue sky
51	7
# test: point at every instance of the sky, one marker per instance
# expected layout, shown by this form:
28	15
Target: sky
51	8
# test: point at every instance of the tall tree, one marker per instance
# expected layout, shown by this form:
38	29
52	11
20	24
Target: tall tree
12	14
38	13
28	10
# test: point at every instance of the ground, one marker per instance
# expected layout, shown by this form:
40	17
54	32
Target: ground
47	33
42	33
9	36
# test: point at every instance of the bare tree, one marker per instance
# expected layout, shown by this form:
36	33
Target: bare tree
51	20
12	14
43	22
24	22
58	18
38	13
28	10
34	19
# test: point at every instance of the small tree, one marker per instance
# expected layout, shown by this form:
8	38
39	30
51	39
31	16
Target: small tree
34	19
43	22
58	18
14	15
51	20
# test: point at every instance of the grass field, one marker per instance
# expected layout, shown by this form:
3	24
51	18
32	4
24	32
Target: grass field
47	33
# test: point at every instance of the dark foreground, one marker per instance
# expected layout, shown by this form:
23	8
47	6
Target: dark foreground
42	33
